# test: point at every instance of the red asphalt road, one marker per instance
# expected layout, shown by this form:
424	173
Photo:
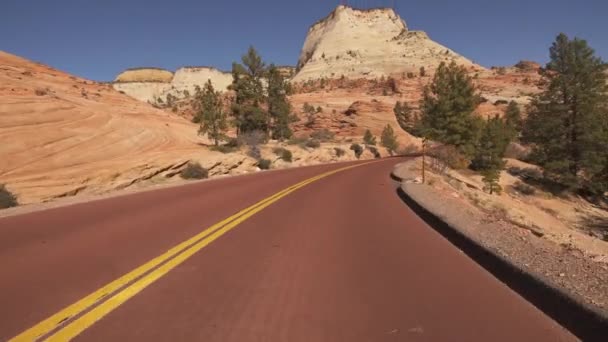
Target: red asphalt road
342	259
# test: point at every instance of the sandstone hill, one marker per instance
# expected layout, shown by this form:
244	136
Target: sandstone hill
368	43
61	135
153	85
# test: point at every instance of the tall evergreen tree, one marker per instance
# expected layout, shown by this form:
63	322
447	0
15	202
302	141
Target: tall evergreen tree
493	142
369	138
447	109
388	139
567	122
513	119
404	116
249	115
279	107
211	115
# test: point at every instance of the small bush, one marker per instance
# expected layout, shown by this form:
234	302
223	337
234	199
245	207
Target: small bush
264	164
374	151
284	154
357	149
448	157
313	143
524	189
223	149
527	173
40	92
339	152
194	171
408	149
232	142
323	135
410	75
297	140
252	138
7	199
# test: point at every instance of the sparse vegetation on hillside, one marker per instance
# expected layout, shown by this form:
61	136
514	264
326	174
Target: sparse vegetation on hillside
323	135
279	107
405	118
211	116
339	152
264	164
310	112
357	149
374	151
513	119
495	138
283	153
369	138
388	139
7	199
194	171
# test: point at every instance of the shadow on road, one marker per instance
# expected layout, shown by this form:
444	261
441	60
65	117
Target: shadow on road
584	322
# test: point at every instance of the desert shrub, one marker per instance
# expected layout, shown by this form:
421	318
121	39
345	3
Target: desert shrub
283	153
357	149
254	152
264	164
408	149
7	199
374	151
527	173
516	151
323	135
448	156
313	143
40	92
339	152
524	189
297	140
252	138
194	171
26	73
224	148
410	75
501	70
232	142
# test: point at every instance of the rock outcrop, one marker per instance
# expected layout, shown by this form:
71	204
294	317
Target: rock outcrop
368	43
153	85
145	75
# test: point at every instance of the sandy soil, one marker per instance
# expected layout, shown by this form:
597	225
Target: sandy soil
550	245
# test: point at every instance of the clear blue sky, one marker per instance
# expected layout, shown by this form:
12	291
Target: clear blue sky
99	38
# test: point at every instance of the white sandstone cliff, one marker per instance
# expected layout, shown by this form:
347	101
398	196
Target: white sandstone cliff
368	43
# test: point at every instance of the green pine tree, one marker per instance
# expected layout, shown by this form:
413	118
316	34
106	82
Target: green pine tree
490	151
213	120
279	107
513	119
447	109
567	122
369	138
247	110
403	114
388	139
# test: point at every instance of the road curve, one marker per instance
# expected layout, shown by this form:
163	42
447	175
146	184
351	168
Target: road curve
339	259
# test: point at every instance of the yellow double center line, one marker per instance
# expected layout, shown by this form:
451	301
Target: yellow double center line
62	326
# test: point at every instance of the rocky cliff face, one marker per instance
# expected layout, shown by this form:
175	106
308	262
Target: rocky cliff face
150	84
368	43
